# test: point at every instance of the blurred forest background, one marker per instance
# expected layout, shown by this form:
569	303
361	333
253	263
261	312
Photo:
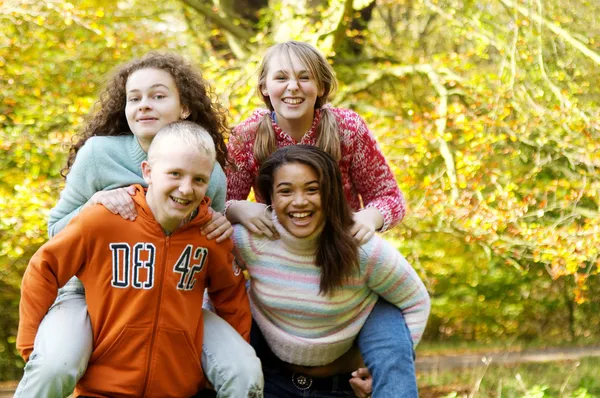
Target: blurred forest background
487	110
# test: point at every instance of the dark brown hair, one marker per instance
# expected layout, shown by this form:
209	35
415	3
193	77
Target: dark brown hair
337	252
107	117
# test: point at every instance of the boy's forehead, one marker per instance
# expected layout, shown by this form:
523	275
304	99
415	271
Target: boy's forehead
182	157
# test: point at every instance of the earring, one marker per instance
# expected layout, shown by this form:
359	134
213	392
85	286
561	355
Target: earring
273	216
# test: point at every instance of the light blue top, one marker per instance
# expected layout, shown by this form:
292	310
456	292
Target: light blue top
105	163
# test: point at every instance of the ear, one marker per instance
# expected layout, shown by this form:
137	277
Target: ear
263	90
185	112
147	172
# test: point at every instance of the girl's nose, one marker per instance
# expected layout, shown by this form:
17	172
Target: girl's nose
144	104
293	84
299	199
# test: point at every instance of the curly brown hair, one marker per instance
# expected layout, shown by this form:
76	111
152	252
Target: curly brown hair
107	117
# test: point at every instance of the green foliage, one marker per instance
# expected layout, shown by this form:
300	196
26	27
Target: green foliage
551	379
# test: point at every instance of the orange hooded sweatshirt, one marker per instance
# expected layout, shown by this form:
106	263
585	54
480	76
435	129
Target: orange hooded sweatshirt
144	293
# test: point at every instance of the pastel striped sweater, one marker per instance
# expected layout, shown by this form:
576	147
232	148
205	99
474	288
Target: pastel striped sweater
306	328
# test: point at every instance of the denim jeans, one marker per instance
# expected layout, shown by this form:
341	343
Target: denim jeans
387	350
282	383
386	346
63	346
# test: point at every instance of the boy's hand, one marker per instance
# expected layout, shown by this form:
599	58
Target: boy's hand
362	383
117	201
218	227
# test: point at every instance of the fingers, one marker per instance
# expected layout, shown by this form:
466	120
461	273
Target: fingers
221	233
361	373
218	228
117	201
361	233
261	226
362	388
130	190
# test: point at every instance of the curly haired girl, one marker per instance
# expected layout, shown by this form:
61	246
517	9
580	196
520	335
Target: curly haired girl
140	98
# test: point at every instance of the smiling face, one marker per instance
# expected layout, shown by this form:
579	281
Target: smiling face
292	91
152	102
177	178
296	199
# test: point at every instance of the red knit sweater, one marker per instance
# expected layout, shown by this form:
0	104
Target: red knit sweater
366	175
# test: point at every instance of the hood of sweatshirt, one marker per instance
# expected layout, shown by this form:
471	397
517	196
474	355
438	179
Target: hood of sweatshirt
202	216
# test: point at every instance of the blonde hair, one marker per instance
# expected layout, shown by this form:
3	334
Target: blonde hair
327	129
187	134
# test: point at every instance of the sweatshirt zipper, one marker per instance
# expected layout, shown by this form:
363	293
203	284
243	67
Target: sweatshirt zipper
155	327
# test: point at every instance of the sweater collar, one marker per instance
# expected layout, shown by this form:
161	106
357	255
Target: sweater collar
303	246
136	153
310	137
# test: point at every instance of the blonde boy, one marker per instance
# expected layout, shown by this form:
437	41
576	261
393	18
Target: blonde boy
144	280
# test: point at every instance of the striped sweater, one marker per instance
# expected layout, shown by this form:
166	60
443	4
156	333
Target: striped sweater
306	328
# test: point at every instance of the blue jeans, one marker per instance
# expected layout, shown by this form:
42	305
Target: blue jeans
387	350
282	383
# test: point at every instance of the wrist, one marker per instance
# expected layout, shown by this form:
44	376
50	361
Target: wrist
230	211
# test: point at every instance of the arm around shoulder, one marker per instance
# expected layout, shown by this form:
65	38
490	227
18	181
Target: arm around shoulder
372	175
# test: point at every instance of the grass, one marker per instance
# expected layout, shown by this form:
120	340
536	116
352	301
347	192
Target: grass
576	379
426	348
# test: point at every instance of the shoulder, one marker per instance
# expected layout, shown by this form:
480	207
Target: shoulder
95	217
377	249
105	147
240	235
249	125
114	141
246	241
347	117
352	127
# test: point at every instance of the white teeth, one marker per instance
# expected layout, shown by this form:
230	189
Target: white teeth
180	201
300	215
293	101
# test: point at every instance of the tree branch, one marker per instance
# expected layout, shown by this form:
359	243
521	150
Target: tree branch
566	36
236	34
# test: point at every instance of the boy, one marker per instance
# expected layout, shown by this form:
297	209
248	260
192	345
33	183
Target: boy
145	279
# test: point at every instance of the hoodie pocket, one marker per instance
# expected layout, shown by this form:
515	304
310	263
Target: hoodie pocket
120	367
176	365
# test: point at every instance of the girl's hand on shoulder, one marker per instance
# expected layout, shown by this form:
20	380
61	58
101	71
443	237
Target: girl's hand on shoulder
218	227
365	225
362	383
117	201
254	216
